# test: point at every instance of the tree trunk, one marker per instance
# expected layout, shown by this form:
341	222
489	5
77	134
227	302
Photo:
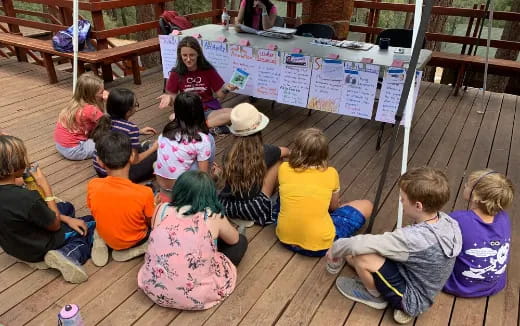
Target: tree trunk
511	32
435	25
144	14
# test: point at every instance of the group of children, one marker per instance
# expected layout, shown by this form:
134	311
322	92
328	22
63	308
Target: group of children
191	248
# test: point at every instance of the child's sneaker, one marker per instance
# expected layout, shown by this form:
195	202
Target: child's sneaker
402	317
71	271
99	252
356	291
241	223
130	253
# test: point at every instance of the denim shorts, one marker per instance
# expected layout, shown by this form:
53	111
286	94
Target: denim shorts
390	283
347	221
84	150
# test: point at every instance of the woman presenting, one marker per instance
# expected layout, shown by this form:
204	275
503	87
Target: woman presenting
258	14
194	73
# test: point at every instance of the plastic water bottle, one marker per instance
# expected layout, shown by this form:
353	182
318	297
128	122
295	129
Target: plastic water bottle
70	316
29	181
225	19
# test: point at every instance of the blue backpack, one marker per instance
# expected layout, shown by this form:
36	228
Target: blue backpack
62	41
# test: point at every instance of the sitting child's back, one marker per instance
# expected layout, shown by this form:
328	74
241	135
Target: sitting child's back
121	209
480	269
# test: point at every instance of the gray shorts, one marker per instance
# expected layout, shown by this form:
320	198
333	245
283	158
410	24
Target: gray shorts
83	151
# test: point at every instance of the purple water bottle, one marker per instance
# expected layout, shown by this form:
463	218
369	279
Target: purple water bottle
70	316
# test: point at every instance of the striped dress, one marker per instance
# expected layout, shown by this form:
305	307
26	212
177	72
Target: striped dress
126	127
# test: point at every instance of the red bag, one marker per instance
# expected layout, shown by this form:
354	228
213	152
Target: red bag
171	20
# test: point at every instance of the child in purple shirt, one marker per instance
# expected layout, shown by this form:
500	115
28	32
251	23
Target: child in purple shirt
480	269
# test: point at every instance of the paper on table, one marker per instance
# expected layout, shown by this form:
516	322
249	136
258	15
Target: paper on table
168	45
242	57
217	54
268	78
393	83
359	91
295	79
326	84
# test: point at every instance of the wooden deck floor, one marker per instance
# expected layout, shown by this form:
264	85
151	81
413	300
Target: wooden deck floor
275	286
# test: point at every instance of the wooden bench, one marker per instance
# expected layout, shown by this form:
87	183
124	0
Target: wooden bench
96	58
463	63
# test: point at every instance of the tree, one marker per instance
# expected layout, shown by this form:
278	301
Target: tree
144	14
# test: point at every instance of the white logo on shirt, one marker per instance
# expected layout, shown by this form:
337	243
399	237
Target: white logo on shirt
496	258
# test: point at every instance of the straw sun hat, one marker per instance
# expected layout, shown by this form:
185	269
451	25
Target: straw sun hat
247	120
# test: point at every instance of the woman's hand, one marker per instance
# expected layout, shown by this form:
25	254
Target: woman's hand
147	131
165	102
259	4
230	87
76	224
105	95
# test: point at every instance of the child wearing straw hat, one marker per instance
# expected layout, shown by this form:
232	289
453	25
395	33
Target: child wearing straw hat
250	169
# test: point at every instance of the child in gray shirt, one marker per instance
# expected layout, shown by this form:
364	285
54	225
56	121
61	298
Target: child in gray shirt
407	267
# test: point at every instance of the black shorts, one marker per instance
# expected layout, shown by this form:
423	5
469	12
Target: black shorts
390	283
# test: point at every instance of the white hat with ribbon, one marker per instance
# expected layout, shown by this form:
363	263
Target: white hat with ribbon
247	120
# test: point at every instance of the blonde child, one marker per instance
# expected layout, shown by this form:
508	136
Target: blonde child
79	118
190	260
480	269
250	169
311	215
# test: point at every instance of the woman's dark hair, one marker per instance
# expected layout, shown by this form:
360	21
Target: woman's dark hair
250	12
120	101
202	63
196	189
189	118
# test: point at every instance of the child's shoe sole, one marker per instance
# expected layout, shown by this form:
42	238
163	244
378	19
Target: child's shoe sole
99	252
402	317
131	253
241	223
71	272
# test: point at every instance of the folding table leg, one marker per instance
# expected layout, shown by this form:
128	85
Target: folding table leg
380	136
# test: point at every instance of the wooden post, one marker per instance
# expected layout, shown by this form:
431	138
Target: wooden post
216	5
13	28
49	65
135	70
98	24
334	12
291	9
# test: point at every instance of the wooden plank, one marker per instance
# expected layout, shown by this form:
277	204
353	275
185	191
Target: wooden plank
275	298
6	261
13	274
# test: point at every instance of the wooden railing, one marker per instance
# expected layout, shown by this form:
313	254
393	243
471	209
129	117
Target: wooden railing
371	30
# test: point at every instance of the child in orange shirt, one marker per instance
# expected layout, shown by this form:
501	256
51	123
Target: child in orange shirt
121	208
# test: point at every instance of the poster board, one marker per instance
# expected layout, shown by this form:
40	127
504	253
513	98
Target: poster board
217	54
359	91
295	79
168	45
326	85
242	57
268	78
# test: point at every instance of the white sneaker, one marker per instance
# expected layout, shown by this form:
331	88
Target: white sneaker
130	253
99	252
241	223
402	317
71	272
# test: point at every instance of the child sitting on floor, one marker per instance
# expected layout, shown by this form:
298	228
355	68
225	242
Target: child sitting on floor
35	229
190	261
409	266
480	269
79	118
121	208
309	190
121	105
185	144
250	169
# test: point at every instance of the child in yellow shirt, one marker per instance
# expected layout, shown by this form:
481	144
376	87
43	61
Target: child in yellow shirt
311	214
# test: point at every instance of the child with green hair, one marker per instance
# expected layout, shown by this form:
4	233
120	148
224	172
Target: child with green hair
193	249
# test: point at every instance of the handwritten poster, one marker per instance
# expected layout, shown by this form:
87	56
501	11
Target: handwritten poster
393	83
326	84
295	79
268	78
217	54
359	91
168	44
242	57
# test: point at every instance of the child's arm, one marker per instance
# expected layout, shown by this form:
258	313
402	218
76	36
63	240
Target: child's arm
227	232
145	154
334	201
76	224
284	152
392	245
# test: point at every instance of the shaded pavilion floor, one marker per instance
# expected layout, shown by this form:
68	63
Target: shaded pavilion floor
275	286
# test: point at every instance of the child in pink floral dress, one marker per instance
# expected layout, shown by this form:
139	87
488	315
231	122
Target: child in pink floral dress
192	250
